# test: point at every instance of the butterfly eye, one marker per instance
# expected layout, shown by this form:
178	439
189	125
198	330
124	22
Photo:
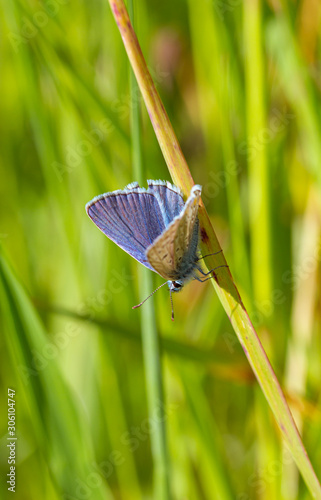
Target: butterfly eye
176	286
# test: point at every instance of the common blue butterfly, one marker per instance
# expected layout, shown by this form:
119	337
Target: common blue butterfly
155	226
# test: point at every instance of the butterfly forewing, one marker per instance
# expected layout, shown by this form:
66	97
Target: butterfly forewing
169	197
132	218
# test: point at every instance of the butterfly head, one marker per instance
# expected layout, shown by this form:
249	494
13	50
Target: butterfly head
175	286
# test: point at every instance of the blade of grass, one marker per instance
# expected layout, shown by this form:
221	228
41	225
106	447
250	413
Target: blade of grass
150	340
297	82
305	299
259	209
180	349
223	283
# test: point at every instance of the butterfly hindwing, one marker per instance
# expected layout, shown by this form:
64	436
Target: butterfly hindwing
172	252
186	239
161	253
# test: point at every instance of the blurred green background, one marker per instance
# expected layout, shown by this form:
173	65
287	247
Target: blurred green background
241	83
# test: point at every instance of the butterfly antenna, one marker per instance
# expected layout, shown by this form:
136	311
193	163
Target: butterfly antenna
170	294
138	305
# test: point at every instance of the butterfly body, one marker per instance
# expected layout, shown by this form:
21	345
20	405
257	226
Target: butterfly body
154	225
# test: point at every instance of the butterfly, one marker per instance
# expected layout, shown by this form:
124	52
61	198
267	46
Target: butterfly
155	226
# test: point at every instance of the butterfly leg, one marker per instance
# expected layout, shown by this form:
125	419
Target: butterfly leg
209	272
212	271
209	255
203	281
202	272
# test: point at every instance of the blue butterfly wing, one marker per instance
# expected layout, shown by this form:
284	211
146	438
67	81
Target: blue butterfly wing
132	218
169	197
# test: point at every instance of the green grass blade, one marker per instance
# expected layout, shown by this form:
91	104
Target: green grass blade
259	196
150	340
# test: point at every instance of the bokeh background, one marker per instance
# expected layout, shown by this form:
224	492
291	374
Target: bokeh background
241	83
